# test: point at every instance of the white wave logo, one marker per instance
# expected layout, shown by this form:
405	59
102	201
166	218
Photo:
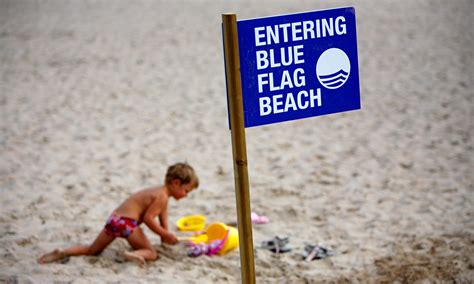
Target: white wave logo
333	68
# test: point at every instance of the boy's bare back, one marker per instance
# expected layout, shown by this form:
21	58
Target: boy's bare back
135	207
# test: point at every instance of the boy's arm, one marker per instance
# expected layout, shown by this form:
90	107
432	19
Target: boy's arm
149	218
164	219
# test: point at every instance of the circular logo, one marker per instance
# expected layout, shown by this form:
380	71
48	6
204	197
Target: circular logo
333	68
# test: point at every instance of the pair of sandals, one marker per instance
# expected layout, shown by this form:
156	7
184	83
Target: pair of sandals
282	245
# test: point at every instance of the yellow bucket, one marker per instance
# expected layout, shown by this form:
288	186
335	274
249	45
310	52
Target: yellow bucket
192	223
217	231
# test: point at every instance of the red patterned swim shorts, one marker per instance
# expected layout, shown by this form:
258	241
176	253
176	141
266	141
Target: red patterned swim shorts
119	226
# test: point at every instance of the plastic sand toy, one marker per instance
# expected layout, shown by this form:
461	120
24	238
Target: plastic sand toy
218	238
218	231
192	223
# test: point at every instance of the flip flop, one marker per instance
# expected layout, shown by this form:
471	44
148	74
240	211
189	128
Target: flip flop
277	245
313	252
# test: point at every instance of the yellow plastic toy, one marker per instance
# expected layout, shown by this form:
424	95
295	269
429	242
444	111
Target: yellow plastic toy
217	231
192	223
197	239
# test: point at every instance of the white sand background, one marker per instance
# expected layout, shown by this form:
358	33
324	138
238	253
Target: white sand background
97	98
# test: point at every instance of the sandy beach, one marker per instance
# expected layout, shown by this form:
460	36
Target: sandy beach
98	98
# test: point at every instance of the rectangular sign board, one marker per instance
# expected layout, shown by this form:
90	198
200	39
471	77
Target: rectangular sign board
298	65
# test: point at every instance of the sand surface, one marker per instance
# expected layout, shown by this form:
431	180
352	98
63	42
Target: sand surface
97	98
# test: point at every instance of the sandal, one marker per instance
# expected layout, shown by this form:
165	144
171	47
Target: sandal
313	252
277	245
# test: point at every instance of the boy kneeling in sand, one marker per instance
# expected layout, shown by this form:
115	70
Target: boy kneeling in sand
141	207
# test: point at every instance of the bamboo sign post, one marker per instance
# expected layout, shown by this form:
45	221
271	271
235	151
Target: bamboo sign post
239	150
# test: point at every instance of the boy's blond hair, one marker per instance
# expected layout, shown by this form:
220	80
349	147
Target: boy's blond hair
183	172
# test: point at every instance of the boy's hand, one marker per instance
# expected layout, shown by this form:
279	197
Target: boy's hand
170	239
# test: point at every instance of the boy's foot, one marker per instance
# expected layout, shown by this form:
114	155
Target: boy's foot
138	259
56	254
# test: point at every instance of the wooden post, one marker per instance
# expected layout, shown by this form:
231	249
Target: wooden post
239	150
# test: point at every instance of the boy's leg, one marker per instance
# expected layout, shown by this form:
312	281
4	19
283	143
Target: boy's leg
143	248
99	244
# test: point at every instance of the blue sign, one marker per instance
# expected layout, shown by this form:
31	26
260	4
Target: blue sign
298	65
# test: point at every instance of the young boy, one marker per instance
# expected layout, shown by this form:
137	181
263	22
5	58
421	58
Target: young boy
141	207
